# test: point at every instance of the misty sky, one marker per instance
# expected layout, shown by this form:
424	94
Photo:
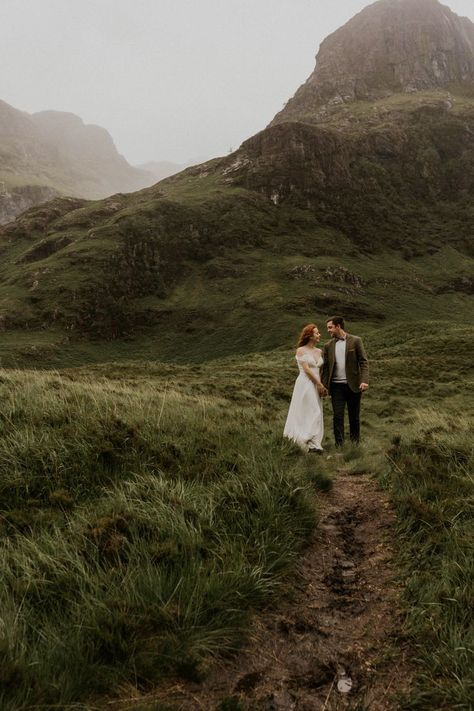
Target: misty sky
169	79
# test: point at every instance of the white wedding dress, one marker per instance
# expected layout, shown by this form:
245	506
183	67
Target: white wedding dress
304	424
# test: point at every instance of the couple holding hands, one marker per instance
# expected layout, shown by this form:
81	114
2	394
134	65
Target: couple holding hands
340	370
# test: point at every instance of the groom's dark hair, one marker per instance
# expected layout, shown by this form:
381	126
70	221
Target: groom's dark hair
337	321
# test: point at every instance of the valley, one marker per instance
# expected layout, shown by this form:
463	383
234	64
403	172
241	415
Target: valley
162	547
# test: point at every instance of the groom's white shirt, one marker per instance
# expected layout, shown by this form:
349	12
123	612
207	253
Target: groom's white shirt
339	374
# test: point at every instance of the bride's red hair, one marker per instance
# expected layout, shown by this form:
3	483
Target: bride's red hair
306	335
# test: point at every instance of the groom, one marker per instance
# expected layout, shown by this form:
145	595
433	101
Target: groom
345	374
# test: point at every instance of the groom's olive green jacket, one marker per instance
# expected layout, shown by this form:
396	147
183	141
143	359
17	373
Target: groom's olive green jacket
357	365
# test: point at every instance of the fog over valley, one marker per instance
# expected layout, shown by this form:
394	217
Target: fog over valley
170	80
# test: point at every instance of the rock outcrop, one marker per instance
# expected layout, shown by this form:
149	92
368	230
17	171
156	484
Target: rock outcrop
14	201
376	179
389	47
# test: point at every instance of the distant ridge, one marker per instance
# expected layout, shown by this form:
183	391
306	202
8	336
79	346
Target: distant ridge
50	153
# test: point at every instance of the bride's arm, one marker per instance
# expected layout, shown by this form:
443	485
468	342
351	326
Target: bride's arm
301	355
311	375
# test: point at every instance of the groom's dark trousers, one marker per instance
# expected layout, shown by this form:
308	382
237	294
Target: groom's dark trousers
342	395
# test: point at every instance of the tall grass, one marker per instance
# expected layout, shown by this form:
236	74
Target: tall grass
148	508
140	524
433	488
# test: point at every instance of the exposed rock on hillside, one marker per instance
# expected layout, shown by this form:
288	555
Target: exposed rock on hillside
377	182
391	46
13	201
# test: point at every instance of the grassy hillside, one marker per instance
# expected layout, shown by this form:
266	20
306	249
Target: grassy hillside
148	507
372	220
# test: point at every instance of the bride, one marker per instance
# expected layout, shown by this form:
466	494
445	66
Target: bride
304	424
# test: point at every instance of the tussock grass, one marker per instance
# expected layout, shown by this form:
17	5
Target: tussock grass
140	525
148	508
433	488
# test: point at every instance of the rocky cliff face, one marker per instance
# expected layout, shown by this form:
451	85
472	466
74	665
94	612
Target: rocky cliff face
48	153
14	201
391	46
377	181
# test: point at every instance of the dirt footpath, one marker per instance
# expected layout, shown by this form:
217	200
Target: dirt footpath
335	641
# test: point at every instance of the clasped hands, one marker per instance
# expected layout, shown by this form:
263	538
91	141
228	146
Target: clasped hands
322	390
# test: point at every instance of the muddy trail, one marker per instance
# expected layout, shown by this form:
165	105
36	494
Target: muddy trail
335	640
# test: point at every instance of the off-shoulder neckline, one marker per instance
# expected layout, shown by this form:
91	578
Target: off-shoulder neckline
313	352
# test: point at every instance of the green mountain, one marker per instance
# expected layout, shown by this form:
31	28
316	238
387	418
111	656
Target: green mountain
49	153
362	206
